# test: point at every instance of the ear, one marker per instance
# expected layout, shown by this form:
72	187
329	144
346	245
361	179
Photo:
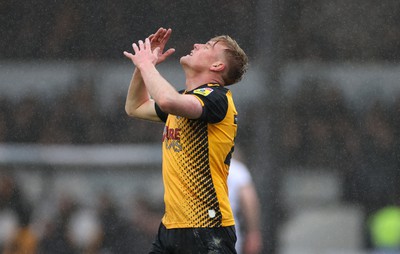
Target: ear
217	66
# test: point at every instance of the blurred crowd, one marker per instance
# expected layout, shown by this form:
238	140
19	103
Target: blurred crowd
341	30
321	130
72	118
316	127
72	227
102	29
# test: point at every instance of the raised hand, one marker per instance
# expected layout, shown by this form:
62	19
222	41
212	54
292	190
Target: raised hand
143	53
160	39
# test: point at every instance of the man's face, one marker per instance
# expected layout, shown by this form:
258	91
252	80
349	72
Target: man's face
204	55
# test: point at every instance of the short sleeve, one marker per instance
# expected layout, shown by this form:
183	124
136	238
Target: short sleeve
215	103
161	114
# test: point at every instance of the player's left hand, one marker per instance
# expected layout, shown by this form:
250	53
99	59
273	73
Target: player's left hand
160	39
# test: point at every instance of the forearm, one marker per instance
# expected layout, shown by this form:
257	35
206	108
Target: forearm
161	91
137	93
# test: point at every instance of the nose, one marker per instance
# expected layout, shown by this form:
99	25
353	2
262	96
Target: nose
196	46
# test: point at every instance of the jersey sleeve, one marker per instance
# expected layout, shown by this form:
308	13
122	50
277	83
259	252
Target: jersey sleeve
215	104
161	114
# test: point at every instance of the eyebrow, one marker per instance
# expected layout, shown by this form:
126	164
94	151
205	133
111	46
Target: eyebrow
211	44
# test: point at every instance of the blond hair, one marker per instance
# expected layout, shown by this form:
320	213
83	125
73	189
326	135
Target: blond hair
237	61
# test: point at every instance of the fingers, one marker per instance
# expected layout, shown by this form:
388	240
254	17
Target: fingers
167	34
161	36
169	52
147	43
141	45
128	55
159	39
135	47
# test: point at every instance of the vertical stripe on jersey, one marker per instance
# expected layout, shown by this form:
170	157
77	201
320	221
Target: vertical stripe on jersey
199	188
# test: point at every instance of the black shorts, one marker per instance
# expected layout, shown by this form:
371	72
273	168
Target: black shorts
195	240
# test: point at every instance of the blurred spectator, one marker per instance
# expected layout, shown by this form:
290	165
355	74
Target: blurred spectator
395	116
380	172
350	158
23	239
56	130
310	131
145	219
4	120
8	227
245	207
57	238
84	231
319	144
291	141
120	234
85	116
116	234
11	197
27	120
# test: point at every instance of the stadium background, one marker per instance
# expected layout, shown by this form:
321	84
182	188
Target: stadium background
319	118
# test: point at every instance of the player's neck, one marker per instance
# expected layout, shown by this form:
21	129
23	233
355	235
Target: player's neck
199	79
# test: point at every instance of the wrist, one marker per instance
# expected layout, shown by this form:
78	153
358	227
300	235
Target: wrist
145	65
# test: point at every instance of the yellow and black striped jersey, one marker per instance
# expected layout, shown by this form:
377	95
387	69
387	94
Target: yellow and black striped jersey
196	157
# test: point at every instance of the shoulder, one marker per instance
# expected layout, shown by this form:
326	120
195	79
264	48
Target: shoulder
214	100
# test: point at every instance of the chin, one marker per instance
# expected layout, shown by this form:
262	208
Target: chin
183	59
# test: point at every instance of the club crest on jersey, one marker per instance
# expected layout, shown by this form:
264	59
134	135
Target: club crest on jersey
203	91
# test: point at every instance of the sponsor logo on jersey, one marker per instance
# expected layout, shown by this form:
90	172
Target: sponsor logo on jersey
203	91
171	138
